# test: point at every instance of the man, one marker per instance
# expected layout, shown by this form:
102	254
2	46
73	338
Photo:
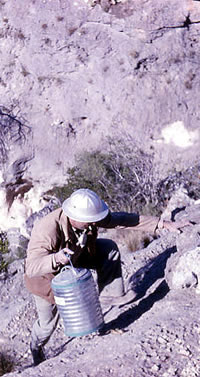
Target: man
71	232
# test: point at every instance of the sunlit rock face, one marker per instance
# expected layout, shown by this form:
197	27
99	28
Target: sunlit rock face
76	72
177	134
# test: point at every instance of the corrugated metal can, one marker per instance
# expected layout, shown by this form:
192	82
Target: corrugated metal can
77	300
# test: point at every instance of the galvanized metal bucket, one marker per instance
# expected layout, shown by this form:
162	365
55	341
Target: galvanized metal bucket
77	300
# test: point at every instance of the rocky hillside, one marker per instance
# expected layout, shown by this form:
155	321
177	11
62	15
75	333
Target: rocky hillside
75	72
156	335
84	75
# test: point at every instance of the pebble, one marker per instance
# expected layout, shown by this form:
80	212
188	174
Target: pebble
161	340
155	368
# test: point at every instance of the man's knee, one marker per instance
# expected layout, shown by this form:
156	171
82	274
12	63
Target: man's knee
104	244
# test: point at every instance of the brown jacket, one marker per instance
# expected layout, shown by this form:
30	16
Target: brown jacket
54	232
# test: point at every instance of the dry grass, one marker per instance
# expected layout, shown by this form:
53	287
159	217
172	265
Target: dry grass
133	240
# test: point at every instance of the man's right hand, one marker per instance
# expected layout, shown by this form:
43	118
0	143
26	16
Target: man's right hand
61	256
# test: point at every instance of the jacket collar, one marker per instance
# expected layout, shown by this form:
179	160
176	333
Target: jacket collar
64	222
67	228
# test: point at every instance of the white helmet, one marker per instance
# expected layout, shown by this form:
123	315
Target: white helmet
85	206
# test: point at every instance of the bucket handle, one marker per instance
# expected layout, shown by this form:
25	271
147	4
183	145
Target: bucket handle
71	267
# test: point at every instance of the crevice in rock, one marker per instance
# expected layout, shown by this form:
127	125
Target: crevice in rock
20	188
186	24
142	63
158	33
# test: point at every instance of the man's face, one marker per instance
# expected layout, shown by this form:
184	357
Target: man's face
79	225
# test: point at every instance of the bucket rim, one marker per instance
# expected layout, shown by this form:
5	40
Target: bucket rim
86	332
71	284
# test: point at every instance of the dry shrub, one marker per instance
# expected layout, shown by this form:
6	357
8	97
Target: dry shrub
134	240
6	363
123	177
127	179
3	251
12	131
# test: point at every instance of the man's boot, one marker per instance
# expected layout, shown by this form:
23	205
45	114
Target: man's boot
37	354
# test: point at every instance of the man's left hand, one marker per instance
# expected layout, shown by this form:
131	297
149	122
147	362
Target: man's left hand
174	226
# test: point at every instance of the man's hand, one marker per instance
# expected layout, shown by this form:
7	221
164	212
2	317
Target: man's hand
63	256
173	226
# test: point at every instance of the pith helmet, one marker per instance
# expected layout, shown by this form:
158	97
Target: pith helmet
84	205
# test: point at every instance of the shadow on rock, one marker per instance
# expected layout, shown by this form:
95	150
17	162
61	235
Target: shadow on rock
134	313
149	285
146	276
62	348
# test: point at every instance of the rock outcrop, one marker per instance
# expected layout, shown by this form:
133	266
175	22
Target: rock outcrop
76	73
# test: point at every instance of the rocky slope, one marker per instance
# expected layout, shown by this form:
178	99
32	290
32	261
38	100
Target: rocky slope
73	73
156	335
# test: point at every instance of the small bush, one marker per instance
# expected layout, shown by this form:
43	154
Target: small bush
3	251
123	177
6	364
126	178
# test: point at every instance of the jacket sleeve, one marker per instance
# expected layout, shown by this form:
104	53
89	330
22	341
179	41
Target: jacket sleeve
147	224
132	220
41	248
